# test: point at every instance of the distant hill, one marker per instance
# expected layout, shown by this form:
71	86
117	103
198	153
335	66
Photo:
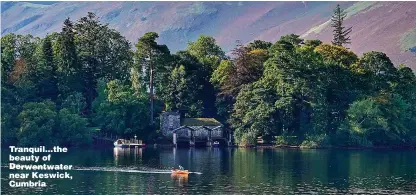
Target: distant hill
388	27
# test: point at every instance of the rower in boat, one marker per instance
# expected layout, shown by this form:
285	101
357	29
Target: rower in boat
180	171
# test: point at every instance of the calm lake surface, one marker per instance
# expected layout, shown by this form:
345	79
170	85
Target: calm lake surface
229	171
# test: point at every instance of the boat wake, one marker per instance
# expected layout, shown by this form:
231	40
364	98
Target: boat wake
126	170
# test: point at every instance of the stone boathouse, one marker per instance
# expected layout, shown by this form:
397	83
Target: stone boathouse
192	130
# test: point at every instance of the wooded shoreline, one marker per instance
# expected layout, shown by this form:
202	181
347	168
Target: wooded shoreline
56	90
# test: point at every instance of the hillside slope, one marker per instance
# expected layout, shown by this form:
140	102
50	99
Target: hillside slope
389	27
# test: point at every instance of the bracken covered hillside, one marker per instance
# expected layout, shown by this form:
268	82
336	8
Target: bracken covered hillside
388	27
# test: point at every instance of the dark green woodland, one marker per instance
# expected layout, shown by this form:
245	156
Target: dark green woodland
56	89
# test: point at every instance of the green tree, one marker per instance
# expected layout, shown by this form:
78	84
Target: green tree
259	44
288	97
67	58
182	93
246	67
224	103
10	109
47	76
28	53
37	123
337	55
177	87
254	114
102	52
8	56
292	39
378	71
231	75
340	85
405	86
18	62
286	43
72	129
22	85
341	37
16	85
188	70
313	43
152	61
121	111
209	56
74	103
207	51
381	119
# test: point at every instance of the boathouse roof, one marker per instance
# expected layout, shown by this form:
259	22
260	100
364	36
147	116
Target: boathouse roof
200	122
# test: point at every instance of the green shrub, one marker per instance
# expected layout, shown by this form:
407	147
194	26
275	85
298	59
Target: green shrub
341	137
72	129
247	139
358	140
345	136
37	124
287	140
316	141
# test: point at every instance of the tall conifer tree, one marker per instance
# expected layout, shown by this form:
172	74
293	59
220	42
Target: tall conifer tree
151	60
69	64
341	34
48	72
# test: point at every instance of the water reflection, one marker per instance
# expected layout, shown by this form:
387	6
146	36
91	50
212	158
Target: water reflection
181	180
128	154
230	171
137	152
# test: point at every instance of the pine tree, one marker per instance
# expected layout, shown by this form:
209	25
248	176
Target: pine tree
152	59
69	65
340	33
48	72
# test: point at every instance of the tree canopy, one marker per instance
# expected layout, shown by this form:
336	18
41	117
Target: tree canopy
88	75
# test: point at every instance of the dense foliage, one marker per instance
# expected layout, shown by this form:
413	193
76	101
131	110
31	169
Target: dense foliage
304	92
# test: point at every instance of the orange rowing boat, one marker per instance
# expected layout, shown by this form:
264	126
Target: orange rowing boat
179	172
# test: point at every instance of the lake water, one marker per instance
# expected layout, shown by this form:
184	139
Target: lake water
229	171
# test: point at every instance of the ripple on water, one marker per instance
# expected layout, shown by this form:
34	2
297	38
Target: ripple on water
239	172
